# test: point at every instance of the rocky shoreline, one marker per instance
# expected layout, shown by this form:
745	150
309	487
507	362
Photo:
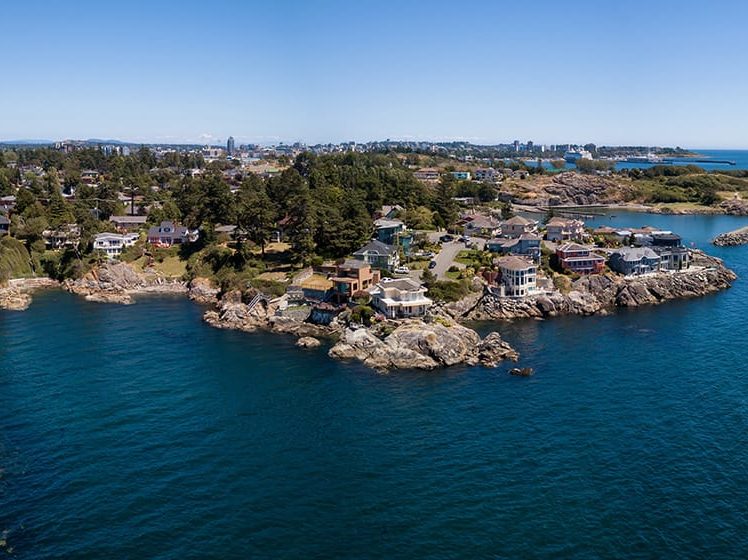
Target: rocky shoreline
602	294
16	296
438	340
118	283
732	238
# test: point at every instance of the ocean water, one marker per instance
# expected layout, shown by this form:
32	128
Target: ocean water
139	432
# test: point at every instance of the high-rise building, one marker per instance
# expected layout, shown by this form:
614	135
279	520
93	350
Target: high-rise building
516	145
230	146
530	146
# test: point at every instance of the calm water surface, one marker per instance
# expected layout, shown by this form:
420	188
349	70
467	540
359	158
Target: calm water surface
138	432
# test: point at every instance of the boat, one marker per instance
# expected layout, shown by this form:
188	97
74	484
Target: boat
571	156
649	158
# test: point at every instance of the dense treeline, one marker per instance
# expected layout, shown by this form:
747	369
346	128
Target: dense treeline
323	205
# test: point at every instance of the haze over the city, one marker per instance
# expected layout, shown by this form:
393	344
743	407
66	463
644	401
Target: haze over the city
482	71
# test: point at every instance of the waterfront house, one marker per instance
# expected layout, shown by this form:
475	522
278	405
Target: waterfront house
579	259
631	261
665	239
168	233
127	223
673	257
399	299
482	226
518	277
563	229
68	235
112	244
387	230
4	225
378	255
350	277
514	227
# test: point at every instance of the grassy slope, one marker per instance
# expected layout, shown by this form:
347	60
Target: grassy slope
14	259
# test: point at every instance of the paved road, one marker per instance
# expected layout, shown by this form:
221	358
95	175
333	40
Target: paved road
445	258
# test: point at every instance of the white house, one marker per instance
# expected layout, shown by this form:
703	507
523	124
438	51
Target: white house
112	244
398	299
519	277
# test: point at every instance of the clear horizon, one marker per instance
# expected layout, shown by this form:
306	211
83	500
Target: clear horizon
637	74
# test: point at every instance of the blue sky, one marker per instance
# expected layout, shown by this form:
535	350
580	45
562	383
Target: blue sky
634	72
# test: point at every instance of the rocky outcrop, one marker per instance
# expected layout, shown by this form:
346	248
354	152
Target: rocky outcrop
522	372
599	294
16	295
308	342
202	291
235	312
118	282
732	238
415	344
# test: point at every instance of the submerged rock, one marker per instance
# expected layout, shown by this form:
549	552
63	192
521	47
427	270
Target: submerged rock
522	372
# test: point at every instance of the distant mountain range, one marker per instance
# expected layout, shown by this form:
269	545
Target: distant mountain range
31	142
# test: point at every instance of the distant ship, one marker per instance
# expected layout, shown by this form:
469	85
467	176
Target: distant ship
572	156
649	158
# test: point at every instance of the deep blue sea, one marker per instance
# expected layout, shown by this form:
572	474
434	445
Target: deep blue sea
139	432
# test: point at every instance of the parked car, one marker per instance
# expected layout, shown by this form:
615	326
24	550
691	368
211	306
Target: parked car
402	270
432	264
446	238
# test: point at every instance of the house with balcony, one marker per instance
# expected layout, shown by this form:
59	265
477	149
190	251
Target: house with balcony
516	226
634	261
68	235
518	277
580	259
673	257
400	299
350	277
378	255
563	229
168	233
112	244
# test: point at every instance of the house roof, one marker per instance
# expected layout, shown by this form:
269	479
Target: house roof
377	247
529	237
519	221
354	263
4	220
566	247
402	284
515	263
384	223
128	219
634	254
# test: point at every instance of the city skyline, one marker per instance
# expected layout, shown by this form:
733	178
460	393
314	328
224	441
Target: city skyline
637	74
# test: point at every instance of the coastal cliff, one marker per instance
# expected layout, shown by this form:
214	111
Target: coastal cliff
600	294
